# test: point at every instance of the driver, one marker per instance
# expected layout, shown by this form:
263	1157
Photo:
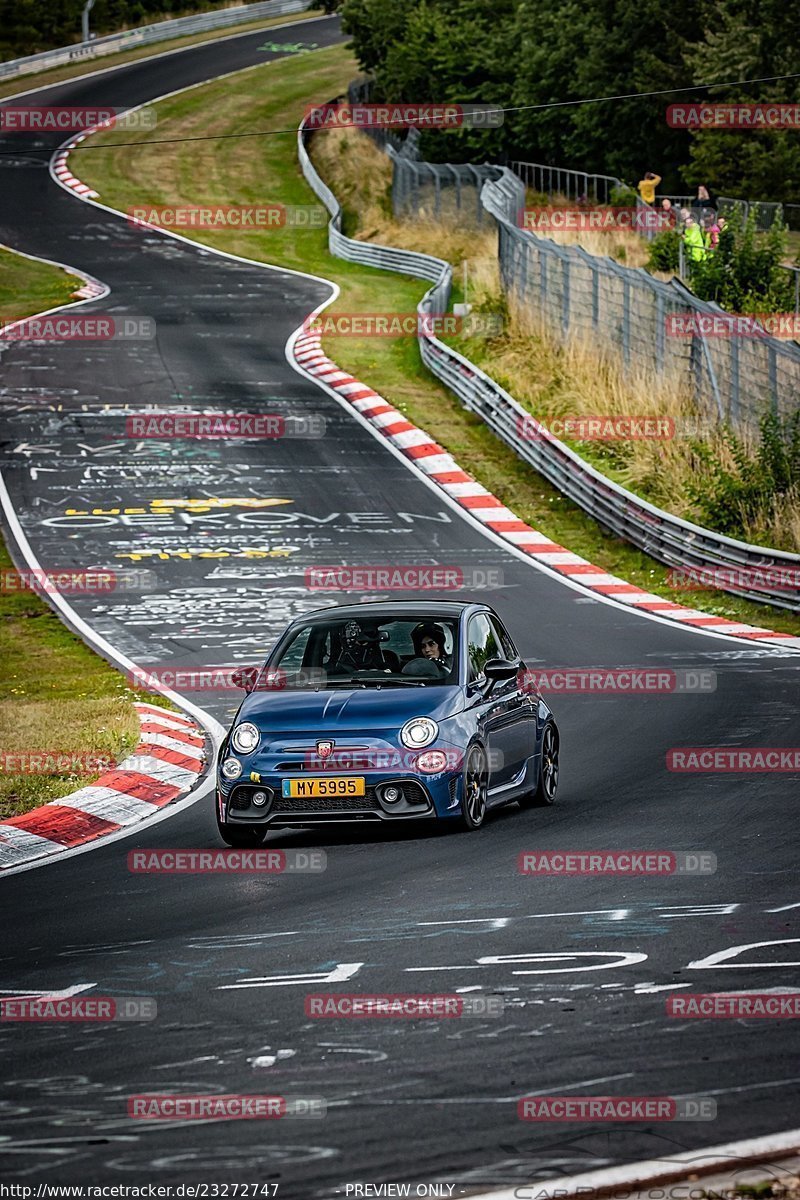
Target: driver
430	658
361	648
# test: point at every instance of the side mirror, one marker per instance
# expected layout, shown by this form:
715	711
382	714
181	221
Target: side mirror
496	669
245	677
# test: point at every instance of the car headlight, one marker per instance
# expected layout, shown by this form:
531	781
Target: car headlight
419	732
231	768
245	737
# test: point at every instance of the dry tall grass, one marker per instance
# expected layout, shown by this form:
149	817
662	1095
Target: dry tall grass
553	378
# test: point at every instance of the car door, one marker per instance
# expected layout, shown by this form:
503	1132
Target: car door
497	713
521	715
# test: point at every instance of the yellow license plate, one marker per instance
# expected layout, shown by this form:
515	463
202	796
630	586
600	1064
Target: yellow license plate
333	786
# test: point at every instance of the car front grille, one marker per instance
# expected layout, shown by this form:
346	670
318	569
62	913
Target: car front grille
332	804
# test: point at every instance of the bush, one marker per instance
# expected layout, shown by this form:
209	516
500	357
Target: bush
744	274
623	196
728	497
664	251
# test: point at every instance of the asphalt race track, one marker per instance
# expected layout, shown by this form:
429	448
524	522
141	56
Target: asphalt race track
229	959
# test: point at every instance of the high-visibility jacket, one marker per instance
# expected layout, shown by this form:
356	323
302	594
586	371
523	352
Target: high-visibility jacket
695	242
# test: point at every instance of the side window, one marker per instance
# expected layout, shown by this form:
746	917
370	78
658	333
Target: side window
294	654
482	645
509	649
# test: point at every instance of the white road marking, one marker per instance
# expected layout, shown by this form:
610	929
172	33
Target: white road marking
719	959
339	973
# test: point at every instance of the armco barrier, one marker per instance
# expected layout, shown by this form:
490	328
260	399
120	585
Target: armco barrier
146	34
671	540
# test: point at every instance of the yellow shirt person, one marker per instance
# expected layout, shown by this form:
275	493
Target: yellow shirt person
647	187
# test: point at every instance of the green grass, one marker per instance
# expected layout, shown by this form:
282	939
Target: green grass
28	286
265	170
55	694
69	71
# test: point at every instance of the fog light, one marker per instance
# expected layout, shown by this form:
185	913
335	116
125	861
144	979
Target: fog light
259	798
392	794
231	768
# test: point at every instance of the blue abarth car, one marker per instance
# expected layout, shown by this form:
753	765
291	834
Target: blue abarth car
386	712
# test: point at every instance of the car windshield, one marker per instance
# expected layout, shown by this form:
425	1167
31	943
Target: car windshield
416	651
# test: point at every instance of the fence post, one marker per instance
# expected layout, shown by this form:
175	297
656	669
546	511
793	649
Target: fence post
565	294
772	360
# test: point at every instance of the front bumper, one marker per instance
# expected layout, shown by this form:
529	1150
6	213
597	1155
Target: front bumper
422	797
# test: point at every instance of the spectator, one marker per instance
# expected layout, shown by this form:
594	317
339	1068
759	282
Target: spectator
694	241
704	199
647	187
667	215
712	229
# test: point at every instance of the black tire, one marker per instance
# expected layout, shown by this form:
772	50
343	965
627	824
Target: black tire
241	837
475	788
544	794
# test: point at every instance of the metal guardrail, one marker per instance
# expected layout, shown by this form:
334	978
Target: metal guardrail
161	31
671	540
563	181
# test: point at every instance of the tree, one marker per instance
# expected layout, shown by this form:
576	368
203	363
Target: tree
745	39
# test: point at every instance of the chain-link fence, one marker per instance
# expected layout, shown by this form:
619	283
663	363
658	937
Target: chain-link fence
734	372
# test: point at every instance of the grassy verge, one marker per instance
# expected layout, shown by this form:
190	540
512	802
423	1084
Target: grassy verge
60	74
266	171
51	681
55	695
28	286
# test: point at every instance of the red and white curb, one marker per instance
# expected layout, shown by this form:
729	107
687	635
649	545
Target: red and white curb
166	764
442	469
62	171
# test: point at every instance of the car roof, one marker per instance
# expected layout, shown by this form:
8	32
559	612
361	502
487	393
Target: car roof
376	609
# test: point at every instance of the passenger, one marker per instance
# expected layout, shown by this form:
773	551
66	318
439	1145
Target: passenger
429	648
